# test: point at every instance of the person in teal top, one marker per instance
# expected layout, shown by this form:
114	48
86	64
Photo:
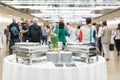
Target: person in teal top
62	33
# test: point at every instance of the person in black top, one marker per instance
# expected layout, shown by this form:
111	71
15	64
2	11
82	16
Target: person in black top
35	32
14	34
25	29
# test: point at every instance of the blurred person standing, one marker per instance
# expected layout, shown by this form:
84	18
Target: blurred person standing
94	31
88	35
61	32
44	34
35	32
99	30
6	32
25	29
79	33
55	26
20	28
117	39
1	40
72	32
67	26
48	31
106	39
14	34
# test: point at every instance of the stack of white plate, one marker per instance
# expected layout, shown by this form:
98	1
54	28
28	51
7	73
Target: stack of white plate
26	44
33	49
62	56
73	47
22	44
66	56
52	57
74	43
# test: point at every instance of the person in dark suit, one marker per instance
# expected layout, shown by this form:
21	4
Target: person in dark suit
35	32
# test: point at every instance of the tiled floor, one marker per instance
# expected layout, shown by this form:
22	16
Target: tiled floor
113	65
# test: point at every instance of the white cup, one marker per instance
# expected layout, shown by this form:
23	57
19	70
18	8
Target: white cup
27	40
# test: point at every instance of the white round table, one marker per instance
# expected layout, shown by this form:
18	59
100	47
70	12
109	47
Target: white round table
48	71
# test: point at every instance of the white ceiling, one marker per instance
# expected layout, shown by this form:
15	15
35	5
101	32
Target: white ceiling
70	10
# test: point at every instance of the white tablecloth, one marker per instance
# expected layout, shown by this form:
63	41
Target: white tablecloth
48	71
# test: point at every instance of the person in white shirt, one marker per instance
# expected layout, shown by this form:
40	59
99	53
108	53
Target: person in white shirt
72	32
106	39
88	32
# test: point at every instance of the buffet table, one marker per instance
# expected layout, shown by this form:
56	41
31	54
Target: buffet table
48	71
